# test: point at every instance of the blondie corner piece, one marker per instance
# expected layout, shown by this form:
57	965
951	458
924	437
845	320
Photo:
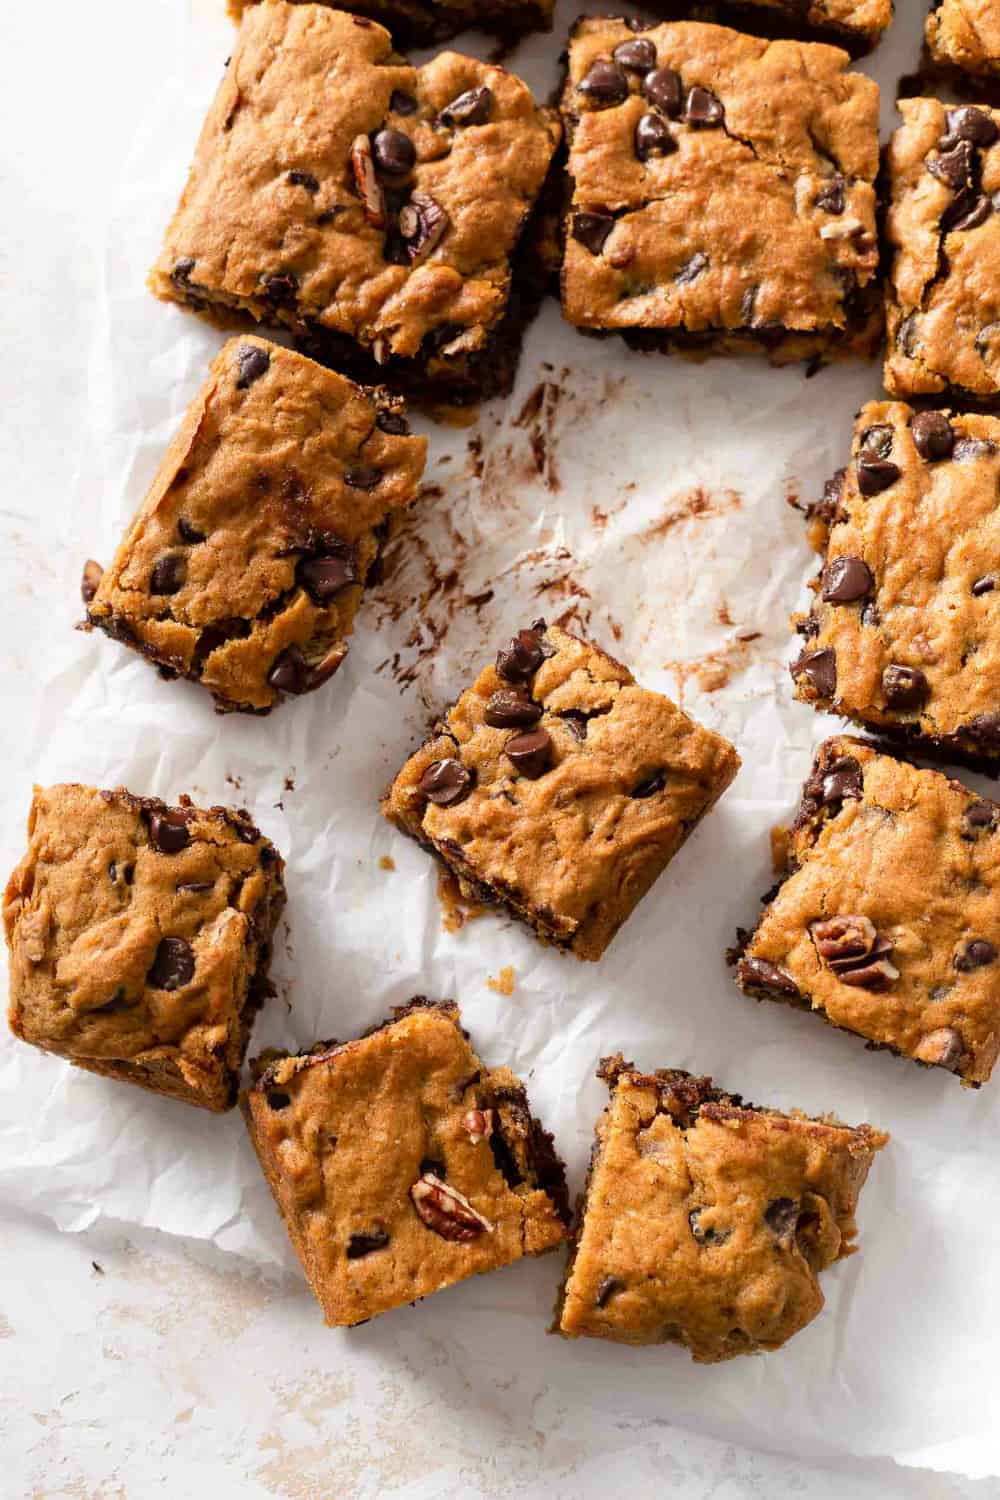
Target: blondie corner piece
140	936
942	309
374	208
903	635
706	1220
421	23
965	34
401	1164
559	789
245	565
887	922
723	192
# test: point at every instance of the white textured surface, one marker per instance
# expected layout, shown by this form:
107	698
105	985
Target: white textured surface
191	1371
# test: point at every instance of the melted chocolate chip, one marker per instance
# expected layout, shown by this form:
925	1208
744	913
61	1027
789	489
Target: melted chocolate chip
445	782
986	729
954	167
967	450
759	974
592	230
282	289
846	579
781	1216
975	955
984	585
604	83
979	817
692	268
877	440
875	474
607	1289
474	107
394	155
252	362
968	124
363	1244
522	658
638	55
653	138
933	437
966	211
530	753
168	831
278	1099
304	180
819	668
362	477
289	672
189	533
392	422
703	108
181	273
904	687
842	780
401	103
324	577
663	88
508	709
168	575
649	786
173	966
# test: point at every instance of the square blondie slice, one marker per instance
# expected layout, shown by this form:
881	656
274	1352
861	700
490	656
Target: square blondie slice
401	1164
887	919
942	304
245	565
723	192
140	937
559	789
965	34
903	635
706	1220
374	208
421	23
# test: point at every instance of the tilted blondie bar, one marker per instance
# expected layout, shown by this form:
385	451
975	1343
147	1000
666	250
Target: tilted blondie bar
140	937
374	208
965	34
942	298
723	192
559	789
887	922
419	23
245	565
903	635
401	1164
706	1220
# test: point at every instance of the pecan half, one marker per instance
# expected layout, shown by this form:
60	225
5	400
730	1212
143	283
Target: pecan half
851	947
447	1211
423	224
369	190
478	1124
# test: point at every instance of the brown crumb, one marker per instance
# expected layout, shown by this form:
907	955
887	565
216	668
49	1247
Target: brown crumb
780	848
98	1268
503	984
456	908
387	862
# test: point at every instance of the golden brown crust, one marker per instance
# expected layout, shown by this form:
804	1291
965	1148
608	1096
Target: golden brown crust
280	469
422	22
965	34
757	226
344	1134
304	95
914	646
706	1221
575	849
942	303
889	924
139	938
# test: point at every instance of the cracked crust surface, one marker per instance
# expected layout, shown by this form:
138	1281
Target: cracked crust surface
706	1221
572	846
272	221
913	859
139	938
965	34
422	22
245	565
911	572
942	300
757	229
344	1133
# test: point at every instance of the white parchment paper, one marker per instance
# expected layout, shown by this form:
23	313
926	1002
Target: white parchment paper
646	500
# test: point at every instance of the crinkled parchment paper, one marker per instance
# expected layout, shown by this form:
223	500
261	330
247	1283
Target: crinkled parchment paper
647	501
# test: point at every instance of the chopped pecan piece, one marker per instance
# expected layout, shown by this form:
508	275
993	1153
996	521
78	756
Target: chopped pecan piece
369	190
447	1211
478	1124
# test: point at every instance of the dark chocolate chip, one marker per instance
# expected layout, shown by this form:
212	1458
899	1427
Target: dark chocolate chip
967	211
649	786
979	817
663	88
707	1236
289	673
986	729
781	1216
471	108
830	197
363	1244
392	422
576	722
692	268
759	974
653	138
282	289
607	1289
973	125
604	82
904	687
842	780
508	709
173	966
988	337
638	55
182	270
168	831
362	477
702	107
168	575
90	580
402	103
445	782
819	668
252	362
984	585
189	533
530	752
875	474
933	437
876	441
592	230
847	579
522	658
954	167
278	1099
323	577
394	155
303	180
975	955
967	450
